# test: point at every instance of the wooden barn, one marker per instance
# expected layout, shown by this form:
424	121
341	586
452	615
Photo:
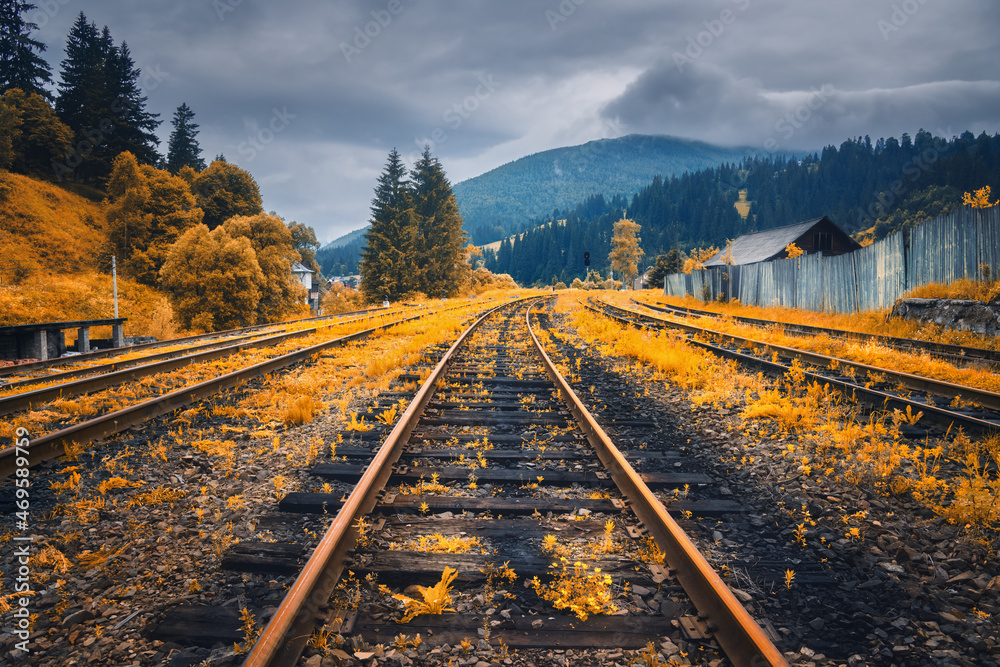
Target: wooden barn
817	235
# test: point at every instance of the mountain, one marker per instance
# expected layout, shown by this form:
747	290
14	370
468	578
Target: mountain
516	195
349	237
865	187
508	198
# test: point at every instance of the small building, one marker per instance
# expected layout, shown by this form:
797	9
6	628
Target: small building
303	274
812	236
305	277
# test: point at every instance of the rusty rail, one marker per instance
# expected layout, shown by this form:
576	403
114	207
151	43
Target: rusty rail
282	641
943	350
100	354
870	395
126	371
54	444
743	641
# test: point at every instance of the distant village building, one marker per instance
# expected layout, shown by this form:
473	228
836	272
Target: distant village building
303	274
812	236
305	277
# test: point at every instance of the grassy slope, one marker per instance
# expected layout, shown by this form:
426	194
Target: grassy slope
50	244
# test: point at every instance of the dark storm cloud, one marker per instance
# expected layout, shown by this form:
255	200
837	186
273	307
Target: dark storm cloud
309	96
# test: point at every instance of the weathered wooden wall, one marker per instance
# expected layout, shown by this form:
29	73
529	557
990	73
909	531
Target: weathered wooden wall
941	250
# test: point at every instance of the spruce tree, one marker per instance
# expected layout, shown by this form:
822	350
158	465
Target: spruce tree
439	240
20	65
386	268
100	100
135	127
183	149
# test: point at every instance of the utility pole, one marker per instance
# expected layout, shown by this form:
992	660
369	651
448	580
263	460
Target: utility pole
114	283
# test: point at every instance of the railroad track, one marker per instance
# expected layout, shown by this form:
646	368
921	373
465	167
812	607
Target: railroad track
492	429
54	444
948	352
19	395
39	371
979	410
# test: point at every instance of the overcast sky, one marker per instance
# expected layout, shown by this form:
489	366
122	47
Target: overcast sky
310	95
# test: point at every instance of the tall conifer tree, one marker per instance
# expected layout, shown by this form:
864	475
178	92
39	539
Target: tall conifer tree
100	100
21	66
386	262
439	240
183	149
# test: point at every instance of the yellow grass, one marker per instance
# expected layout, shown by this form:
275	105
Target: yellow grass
807	423
742	205
965	289
46	229
869	321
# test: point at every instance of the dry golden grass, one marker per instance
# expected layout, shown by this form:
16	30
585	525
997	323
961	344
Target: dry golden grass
965	289
47	229
871	321
822	432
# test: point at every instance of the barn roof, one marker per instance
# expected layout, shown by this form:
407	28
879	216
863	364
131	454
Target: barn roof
762	246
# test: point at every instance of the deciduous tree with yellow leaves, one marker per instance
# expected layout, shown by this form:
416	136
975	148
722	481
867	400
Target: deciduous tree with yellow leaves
147	211
625	250
794	251
213	280
979	199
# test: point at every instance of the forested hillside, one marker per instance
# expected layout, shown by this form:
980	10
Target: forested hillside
512	197
341	256
508	198
862	186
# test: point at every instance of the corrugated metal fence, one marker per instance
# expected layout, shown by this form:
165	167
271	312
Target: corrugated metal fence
937	251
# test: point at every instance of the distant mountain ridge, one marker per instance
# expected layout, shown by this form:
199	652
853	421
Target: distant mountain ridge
514	196
507	199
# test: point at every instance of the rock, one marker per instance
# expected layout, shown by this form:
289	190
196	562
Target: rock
315	661
742	595
77	617
817	624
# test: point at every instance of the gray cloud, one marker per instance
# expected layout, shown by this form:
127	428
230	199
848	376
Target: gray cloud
567	71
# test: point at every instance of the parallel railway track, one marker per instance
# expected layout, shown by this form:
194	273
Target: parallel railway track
33	367
936	395
495	395
946	351
18	395
54	444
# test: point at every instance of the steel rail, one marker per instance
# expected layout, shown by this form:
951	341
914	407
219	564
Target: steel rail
987	399
869	395
285	636
945	350
170	361
743	641
52	445
99	354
